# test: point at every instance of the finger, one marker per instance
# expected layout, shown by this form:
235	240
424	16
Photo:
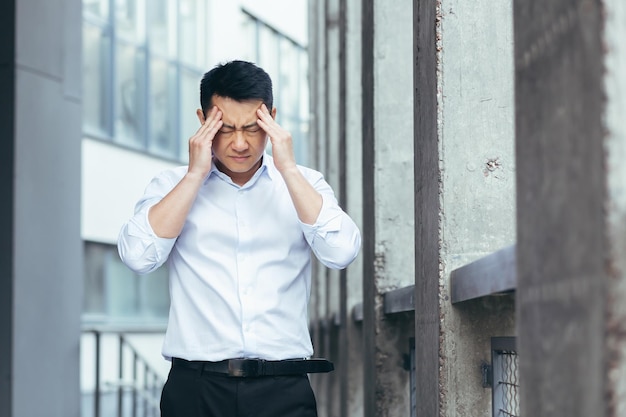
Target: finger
214	114
269	129
264	111
212	124
266	121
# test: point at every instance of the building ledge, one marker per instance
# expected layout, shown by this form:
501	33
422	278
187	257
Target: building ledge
494	274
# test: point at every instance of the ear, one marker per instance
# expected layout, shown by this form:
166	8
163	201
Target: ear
273	113
200	115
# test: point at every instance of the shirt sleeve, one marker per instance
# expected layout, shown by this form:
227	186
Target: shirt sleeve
334	237
138	246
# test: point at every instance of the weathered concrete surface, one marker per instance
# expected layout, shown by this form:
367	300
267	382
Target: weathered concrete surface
615	90
562	198
354	170
477	189
393	265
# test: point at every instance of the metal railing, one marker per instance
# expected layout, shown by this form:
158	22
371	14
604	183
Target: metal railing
138	385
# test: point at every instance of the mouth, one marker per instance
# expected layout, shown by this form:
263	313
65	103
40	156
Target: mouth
239	158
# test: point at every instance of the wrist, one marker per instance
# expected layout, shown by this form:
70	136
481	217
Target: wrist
193	176
289	170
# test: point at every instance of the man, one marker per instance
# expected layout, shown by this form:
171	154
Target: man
237	227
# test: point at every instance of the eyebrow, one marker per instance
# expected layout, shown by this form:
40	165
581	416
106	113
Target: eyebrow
253	124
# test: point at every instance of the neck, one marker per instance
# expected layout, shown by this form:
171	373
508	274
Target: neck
239	178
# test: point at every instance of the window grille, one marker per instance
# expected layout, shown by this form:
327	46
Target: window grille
504	377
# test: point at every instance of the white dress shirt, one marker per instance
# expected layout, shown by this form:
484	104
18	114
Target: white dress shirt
240	271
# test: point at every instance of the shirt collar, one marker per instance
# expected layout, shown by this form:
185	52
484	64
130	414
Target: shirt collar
267	167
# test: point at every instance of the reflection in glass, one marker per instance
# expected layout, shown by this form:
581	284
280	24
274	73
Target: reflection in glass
113	293
249	47
268	56
128	19
161	27
303	107
192	23
189	103
96	60
163	137
289	68
130	103
98	8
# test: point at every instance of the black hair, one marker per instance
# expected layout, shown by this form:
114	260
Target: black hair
239	80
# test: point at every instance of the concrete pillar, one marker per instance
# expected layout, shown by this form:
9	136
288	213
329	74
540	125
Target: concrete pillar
570	60
388	248
316	51
332	171
41	261
465	193
615	146
353	368
320	149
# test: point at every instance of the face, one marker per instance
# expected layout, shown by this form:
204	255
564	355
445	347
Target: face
239	146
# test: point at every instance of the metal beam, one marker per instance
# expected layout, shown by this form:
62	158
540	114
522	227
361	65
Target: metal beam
493	274
399	301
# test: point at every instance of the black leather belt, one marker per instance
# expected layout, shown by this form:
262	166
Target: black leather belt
257	367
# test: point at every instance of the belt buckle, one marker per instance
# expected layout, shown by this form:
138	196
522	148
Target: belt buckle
243	367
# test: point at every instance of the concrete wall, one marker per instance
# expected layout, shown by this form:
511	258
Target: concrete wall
519	139
470	192
42	256
392	223
477	186
385	180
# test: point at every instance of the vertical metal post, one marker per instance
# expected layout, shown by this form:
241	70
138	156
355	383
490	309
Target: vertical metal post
120	388
145	389
96	400
155	390
343	198
369	211
135	383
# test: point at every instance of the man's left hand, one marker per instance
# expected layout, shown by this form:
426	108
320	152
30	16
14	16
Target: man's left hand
282	143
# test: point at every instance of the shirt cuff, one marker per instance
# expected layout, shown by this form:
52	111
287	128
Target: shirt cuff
329	220
139	227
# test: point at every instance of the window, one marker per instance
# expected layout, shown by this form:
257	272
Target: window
96	79
115	294
286	62
193	47
140	58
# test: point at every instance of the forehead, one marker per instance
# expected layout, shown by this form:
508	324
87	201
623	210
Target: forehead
237	112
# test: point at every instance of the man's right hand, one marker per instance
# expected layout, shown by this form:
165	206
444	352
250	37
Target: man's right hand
201	143
168	216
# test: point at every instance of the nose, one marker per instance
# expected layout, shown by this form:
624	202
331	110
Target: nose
239	143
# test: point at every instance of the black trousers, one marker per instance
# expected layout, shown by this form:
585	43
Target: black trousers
191	393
